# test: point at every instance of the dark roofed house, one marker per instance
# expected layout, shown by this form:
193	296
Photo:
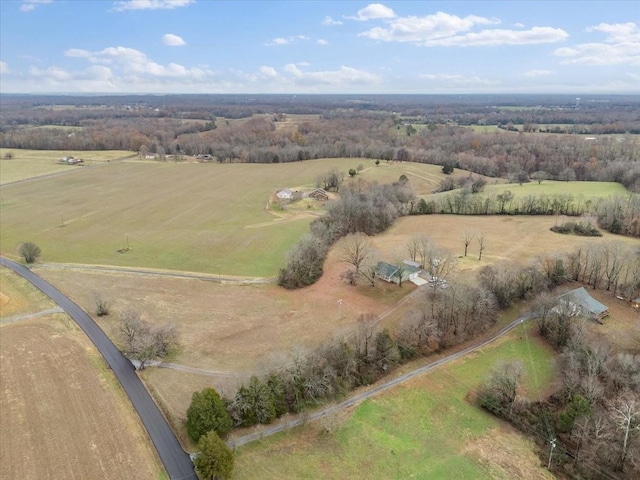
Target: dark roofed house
393	273
580	302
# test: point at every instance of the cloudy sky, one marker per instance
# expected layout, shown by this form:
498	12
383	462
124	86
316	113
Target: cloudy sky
298	46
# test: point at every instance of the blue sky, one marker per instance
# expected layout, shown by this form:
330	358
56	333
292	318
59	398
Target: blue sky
211	46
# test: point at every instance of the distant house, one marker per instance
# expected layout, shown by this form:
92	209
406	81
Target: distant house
204	157
319	194
635	303
71	161
285	194
393	273
579	302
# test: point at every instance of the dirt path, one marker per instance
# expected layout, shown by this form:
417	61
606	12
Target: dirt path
27	316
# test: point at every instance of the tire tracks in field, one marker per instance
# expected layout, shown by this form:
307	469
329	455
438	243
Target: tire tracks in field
209	277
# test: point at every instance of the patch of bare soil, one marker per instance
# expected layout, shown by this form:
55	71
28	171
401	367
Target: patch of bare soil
63	414
507	456
621	327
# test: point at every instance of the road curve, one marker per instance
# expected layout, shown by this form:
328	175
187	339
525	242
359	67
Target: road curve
359	397
176	462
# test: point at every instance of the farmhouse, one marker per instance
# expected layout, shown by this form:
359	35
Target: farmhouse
394	273
581	303
285	194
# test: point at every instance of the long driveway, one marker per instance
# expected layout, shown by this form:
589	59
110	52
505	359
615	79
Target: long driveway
175	460
381	387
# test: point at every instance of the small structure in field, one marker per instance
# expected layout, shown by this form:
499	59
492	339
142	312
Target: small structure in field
580	302
636	303
204	157
285	194
319	194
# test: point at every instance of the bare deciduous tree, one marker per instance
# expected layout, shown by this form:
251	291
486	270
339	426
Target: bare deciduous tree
481	237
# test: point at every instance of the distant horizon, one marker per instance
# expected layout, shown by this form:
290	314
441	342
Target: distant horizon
151	47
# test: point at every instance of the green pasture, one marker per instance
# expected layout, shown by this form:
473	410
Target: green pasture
184	216
586	190
27	164
418	430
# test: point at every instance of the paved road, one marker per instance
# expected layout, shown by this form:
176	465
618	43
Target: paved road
285	425
175	460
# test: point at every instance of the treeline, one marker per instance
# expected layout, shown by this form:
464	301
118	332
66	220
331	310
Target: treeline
337	133
363	207
617	214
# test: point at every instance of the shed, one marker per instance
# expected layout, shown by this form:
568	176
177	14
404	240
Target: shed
580	302
635	303
319	194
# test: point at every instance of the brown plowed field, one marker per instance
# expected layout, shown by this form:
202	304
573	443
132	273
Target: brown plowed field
62	413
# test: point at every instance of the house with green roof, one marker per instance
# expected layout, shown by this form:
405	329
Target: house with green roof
581	303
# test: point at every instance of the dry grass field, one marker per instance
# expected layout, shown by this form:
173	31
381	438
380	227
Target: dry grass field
63	413
184	216
27	164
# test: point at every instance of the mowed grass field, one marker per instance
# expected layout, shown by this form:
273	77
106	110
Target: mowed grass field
426	428
63	413
581	191
186	216
27	164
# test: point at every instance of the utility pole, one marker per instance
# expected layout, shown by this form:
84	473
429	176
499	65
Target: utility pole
553	445
219	273
126	235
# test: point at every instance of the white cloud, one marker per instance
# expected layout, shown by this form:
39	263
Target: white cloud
537	73
279	41
344	76
457	81
173	40
129	61
4	68
445	30
29	5
267	72
421	29
373	11
621	46
121	6
322	41
330	21
518	25
495	37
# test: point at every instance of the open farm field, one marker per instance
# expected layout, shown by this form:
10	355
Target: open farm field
27	164
426	428
519	239
196	217
63	413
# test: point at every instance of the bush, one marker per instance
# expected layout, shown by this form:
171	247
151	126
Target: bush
29	251
215	460
583	229
207	412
